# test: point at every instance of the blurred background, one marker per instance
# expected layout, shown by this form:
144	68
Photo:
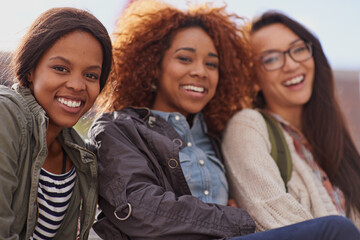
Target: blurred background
335	23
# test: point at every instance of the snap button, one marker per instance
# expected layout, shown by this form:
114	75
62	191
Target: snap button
206	192
189	144
173	163
151	121
177	117
177	142
201	162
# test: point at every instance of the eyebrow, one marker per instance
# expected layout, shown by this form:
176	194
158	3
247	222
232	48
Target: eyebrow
210	54
299	39
275	50
60	58
68	62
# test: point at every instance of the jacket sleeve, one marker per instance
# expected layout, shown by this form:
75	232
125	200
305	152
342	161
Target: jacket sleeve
254	177
127	180
11	133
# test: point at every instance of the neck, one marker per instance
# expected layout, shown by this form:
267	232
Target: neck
51	134
291	115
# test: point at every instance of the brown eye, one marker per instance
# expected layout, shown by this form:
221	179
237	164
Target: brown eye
184	59
212	65
92	76
60	69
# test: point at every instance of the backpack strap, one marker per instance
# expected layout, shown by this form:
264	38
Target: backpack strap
279	149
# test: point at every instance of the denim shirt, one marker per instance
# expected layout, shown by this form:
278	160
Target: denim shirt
204	172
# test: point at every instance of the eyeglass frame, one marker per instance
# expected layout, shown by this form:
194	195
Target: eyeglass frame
307	44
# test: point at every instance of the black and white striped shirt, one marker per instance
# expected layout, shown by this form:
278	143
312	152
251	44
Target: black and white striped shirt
54	194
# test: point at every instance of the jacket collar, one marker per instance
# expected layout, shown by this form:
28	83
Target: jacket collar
138	112
29	98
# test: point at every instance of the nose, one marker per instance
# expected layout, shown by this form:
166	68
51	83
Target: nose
199	70
76	82
290	64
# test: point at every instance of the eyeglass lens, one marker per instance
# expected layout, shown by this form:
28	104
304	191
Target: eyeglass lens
276	59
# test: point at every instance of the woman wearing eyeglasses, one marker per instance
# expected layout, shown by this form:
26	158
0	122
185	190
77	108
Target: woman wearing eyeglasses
296	88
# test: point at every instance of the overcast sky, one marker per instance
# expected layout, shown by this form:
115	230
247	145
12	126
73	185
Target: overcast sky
336	23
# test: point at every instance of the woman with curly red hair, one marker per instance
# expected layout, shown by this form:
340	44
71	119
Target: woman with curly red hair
177	79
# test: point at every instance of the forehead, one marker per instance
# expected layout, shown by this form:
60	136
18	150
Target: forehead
194	37
273	37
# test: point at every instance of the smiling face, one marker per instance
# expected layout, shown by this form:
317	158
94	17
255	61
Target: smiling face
189	73
65	81
290	86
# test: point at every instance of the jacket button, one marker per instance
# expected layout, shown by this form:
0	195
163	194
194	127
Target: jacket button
206	192
177	141
189	144
173	163
201	162
177	117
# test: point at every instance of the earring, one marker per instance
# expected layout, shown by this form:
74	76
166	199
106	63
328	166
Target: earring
153	87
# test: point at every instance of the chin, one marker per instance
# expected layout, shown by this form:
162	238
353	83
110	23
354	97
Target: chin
69	124
194	111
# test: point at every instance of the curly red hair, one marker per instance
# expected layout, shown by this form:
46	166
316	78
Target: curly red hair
143	34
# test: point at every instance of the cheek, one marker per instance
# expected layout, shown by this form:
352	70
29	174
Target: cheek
311	67
214	80
93	91
262	82
267	79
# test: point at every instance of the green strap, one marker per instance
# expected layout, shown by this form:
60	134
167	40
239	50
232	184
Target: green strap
279	148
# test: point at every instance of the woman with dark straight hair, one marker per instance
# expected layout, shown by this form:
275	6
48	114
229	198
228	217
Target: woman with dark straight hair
48	177
296	87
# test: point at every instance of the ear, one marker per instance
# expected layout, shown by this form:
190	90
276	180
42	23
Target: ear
29	78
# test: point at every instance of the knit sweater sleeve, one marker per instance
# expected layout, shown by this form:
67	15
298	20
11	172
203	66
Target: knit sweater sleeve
254	176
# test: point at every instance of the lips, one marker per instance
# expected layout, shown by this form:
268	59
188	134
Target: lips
69	102
294	81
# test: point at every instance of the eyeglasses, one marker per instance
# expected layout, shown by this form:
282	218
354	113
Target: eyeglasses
274	60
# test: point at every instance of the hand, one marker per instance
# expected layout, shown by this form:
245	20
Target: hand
232	203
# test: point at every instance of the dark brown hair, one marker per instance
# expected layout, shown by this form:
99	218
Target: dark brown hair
48	28
143	34
322	122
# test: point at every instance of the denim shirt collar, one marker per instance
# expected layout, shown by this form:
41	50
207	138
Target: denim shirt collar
173	117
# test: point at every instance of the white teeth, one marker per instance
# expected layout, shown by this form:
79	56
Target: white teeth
294	81
69	103
194	88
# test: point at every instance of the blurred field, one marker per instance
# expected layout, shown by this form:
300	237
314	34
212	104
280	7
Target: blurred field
83	126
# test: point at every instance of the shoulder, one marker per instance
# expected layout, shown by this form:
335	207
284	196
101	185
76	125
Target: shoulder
114	122
8	95
12	104
246	125
248	117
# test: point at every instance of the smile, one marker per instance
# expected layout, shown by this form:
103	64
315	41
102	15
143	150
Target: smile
194	88
69	103
294	81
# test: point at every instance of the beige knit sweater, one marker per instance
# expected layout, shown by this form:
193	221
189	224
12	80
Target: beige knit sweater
255	180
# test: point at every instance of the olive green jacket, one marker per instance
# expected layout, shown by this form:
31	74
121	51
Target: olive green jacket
22	154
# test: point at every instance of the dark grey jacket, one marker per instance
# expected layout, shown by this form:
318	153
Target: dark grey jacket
143	191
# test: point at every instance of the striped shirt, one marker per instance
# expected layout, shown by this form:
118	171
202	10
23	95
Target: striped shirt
54	194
